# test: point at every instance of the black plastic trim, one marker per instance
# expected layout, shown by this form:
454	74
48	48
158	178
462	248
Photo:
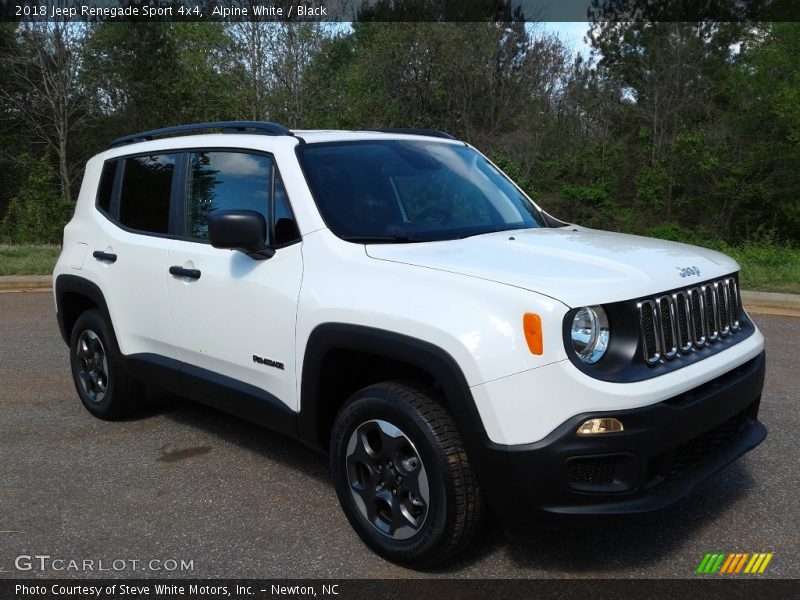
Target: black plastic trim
212	389
81	286
255	127
178	271
160	372
116	192
179	197
415	352
623	362
104	256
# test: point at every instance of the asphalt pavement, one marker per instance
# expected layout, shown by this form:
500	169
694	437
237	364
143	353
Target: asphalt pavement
185	491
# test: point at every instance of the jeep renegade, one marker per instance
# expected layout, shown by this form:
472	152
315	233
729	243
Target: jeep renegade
393	299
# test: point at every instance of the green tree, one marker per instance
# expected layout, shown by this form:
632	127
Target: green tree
271	68
9	142
766	119
147	75
476	80
37	214
46	96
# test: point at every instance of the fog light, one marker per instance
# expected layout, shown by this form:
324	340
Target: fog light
593	426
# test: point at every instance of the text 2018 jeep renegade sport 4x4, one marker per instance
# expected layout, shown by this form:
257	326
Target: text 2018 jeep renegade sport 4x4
392	298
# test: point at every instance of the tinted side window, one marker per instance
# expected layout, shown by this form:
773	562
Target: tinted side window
146	186
226	181
106	186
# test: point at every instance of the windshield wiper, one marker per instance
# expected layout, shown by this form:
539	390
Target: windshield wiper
382	239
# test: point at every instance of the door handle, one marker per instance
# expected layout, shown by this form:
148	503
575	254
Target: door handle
105	256
181	272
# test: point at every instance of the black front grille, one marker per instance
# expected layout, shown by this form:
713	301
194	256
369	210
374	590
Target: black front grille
722	306
693	452
688	319
649	332
700	449
683	321
696	306
667	322
592	471
712	330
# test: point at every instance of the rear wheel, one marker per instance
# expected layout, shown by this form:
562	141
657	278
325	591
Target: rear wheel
402	475
105	388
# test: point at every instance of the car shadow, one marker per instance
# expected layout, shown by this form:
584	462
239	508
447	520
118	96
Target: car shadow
233	430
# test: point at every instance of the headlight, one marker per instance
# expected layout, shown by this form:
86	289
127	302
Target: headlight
590	333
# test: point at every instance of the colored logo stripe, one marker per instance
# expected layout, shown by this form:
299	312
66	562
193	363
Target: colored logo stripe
711	563
727	564
703	563
737	562
758	563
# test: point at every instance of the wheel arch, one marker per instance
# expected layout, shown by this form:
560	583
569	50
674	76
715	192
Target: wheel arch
75	295
335	350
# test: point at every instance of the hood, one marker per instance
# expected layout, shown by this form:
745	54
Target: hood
576	265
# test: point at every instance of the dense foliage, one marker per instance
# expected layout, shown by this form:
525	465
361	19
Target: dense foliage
688	131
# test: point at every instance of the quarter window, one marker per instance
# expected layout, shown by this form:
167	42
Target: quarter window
146	188
106	186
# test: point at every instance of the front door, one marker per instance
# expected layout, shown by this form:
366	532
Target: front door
234	316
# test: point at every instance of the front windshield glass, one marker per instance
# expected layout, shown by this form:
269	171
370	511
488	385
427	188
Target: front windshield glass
408	191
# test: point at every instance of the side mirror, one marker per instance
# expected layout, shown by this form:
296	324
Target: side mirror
242	230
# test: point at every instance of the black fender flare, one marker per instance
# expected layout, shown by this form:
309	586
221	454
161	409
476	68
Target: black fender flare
396	346
73	284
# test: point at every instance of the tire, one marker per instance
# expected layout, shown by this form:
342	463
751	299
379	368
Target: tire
105	388
398	430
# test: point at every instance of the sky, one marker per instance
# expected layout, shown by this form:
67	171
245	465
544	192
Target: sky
572	34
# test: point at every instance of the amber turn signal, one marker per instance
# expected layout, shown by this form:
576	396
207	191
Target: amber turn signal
532	326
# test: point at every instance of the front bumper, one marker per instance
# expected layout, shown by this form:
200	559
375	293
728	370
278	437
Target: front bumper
665	449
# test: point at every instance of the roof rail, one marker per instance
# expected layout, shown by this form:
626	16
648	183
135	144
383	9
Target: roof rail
259	127
414	131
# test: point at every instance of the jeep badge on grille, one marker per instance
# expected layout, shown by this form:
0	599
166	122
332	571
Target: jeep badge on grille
688	271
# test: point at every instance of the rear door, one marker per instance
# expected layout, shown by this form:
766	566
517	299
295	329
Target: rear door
128	255
235	322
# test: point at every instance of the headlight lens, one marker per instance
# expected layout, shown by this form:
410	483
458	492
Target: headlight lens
590	333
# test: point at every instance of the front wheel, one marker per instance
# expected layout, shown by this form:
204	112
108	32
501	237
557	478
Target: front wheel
402	475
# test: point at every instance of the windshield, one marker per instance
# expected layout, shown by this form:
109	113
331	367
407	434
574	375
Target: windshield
409	191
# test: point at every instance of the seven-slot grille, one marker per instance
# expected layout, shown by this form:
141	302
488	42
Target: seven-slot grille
688	319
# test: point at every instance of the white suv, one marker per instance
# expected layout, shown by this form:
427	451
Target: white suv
391	298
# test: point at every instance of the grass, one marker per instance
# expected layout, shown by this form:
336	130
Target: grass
768	268
765	267
28	259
